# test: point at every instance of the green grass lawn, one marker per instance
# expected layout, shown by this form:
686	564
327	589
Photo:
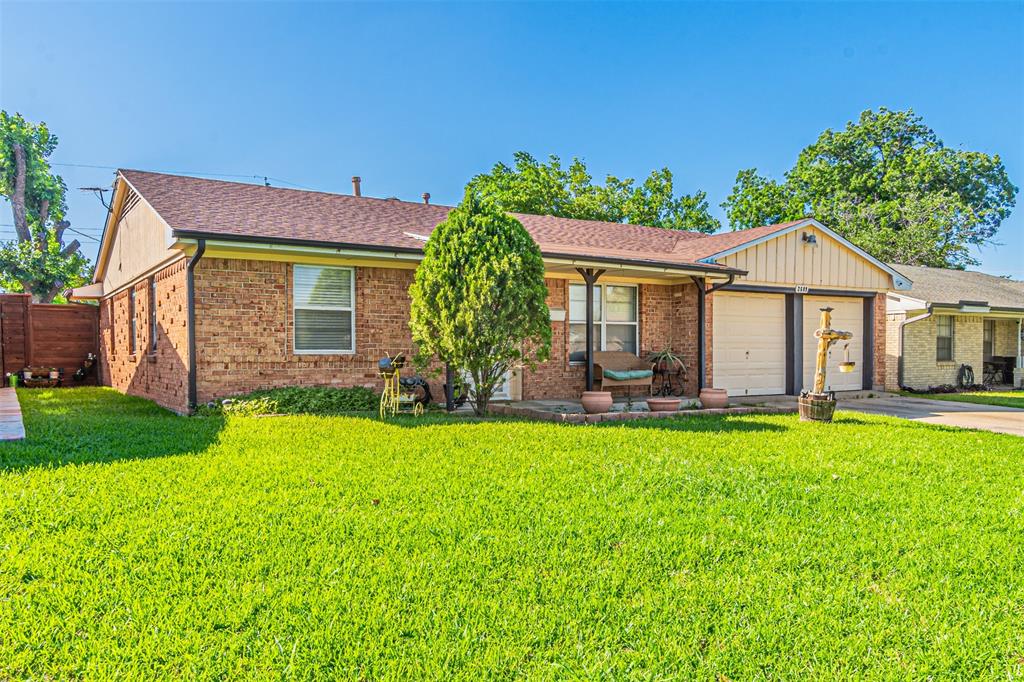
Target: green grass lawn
137	544
1002	398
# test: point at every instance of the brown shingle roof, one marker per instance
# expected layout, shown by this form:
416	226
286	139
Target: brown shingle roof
950	287
216	208
717	243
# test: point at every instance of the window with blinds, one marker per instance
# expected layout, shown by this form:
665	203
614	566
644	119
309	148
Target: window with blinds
943	338
324	309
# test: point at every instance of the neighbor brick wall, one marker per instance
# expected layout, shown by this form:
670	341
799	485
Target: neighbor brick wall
160	375
920	368
1005	341
892	349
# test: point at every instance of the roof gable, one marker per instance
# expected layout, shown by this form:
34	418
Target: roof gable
943	286
720	246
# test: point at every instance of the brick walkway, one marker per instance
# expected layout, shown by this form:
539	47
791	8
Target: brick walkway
11	426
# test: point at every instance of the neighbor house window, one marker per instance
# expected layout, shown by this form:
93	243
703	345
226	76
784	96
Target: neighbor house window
615	319
988	340
324	307
944	338
131	320
152	314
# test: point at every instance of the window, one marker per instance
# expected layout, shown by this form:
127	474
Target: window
989	339
324	309
131	320
944	338
152	314
615	319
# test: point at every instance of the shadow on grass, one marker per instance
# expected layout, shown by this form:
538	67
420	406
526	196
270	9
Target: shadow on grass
93	425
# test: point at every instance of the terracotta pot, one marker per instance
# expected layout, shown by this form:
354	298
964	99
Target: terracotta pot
596	402
712	398
663	404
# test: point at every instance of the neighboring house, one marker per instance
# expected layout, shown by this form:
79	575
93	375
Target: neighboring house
210	288
951	318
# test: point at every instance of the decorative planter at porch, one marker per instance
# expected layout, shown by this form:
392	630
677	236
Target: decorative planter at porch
596	402
816	408
663	404
713	398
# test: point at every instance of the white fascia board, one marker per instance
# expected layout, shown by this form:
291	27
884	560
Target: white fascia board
900	282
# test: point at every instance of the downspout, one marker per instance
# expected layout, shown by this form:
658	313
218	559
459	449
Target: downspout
701	337
899	344
191	296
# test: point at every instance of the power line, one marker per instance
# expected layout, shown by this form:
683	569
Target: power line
212	175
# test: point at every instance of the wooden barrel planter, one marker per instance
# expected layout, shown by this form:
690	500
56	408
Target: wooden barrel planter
816	409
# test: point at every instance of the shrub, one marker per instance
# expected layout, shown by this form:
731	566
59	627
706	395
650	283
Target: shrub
478	302
302	400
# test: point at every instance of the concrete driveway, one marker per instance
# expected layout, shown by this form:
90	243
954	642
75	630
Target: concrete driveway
947	412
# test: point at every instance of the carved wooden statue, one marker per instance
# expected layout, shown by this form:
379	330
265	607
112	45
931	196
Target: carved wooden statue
826	337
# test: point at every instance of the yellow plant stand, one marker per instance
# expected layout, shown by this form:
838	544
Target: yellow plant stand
393	399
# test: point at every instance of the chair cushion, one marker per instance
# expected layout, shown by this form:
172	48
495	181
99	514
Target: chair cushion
626	374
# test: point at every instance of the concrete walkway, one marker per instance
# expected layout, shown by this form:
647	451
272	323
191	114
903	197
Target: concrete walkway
11	426
946	412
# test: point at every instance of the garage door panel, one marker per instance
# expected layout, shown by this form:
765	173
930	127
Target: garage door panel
848	315
749	343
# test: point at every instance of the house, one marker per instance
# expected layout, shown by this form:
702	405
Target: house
951	318
206	290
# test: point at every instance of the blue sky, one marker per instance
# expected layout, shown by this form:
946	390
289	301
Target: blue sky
420	97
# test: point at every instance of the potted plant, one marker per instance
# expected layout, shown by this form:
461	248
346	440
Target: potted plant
666	361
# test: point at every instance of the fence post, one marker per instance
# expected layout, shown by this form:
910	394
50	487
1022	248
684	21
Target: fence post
27	302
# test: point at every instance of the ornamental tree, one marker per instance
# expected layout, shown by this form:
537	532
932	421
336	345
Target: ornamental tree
478	299
888	184
38	261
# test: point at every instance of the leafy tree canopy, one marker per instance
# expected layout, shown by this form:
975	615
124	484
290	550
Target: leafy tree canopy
888	184
37	261
530	186
478	300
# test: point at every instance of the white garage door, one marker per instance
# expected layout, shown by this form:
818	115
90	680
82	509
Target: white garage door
749	343
847	316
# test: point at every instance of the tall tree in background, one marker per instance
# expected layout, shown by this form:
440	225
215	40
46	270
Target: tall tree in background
37	261
549	189
888	184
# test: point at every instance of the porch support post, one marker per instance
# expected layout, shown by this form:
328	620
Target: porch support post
701	350
1018	374
590	276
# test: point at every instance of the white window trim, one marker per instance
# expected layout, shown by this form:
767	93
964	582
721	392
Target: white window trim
599	326
351	308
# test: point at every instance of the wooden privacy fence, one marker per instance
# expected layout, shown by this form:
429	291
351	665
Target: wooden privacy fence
47	335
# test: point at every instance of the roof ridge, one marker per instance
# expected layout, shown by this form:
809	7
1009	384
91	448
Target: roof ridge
255	185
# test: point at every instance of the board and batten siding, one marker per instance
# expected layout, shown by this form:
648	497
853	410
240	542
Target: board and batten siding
789	260
141	242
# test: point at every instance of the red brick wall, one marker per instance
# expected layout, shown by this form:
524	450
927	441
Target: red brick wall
160	375
668	319
244	329
878	378
709	318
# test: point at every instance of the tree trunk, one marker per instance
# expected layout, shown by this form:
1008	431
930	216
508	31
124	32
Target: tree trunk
18	195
